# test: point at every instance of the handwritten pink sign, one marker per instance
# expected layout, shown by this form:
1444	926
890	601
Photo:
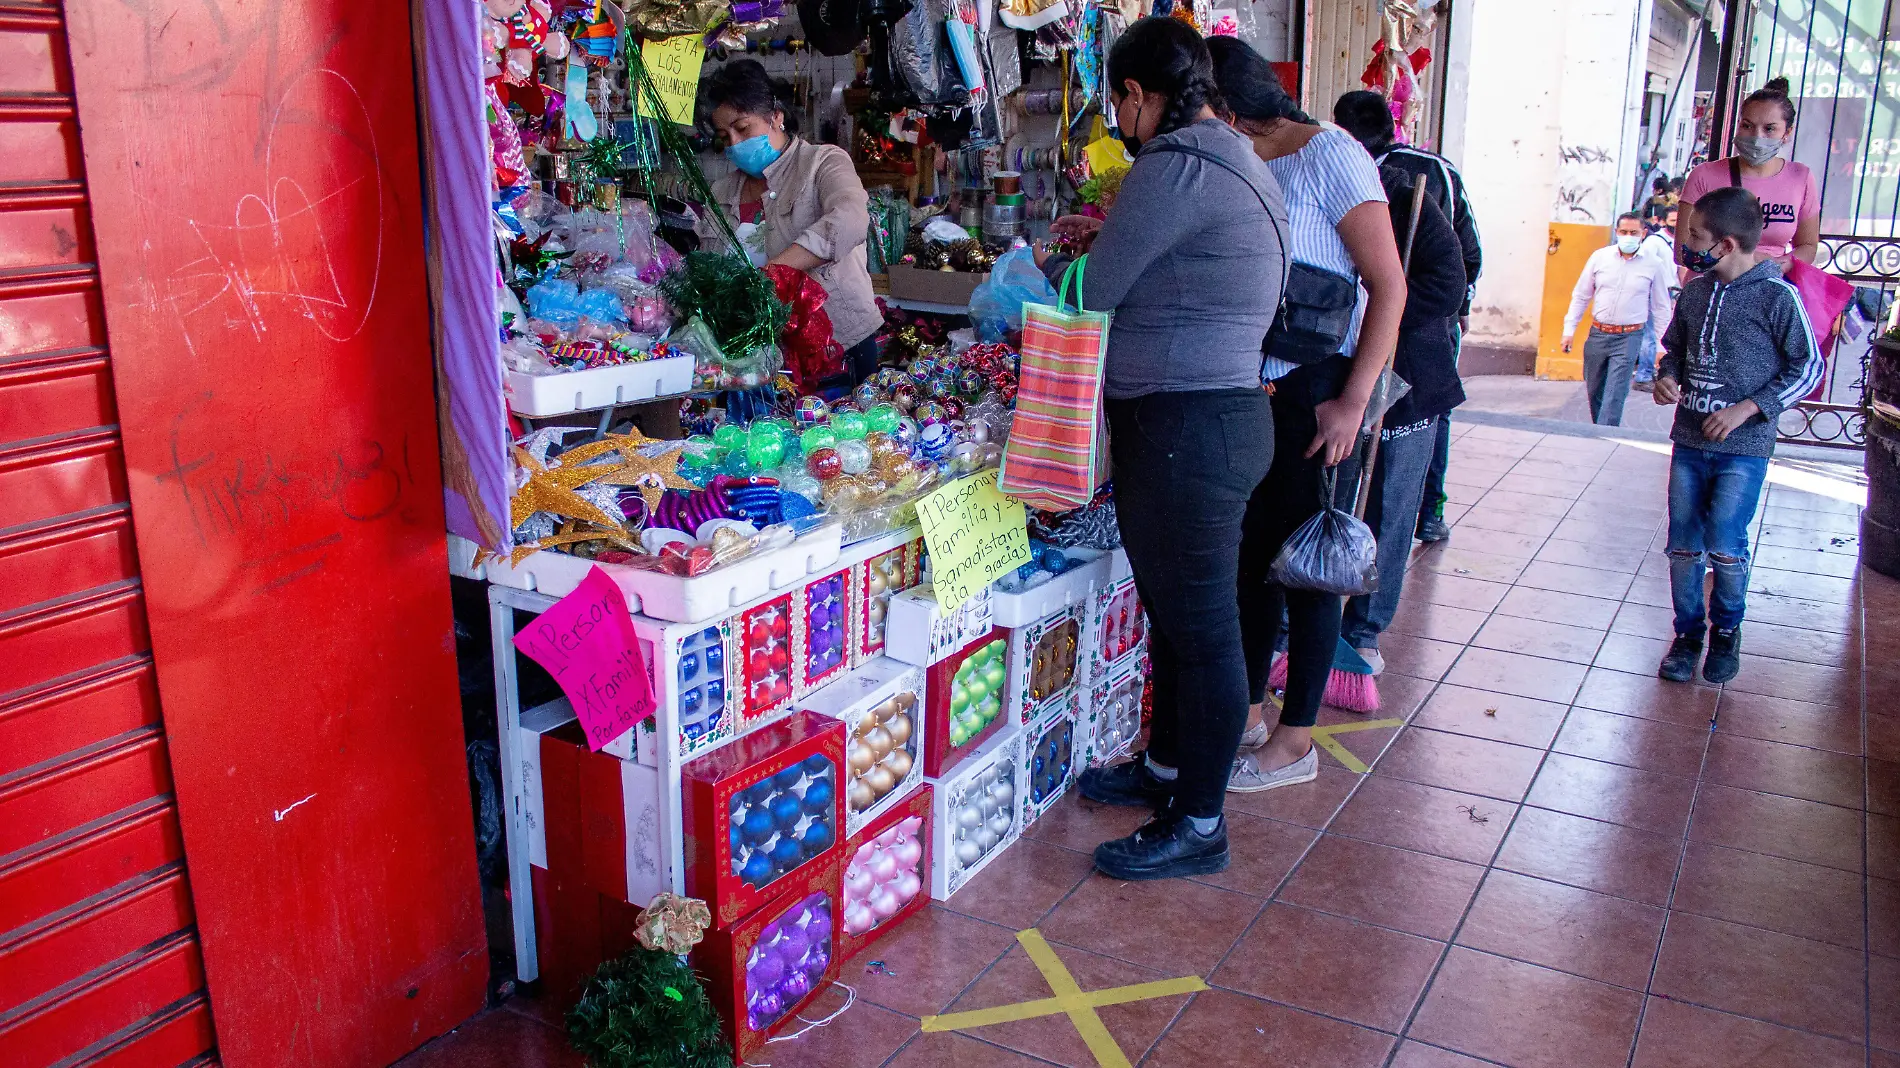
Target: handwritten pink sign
586	642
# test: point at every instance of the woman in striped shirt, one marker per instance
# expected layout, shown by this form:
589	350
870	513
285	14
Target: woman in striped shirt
1338	221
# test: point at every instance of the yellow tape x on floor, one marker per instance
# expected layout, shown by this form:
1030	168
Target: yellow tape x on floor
1323	737
1069	999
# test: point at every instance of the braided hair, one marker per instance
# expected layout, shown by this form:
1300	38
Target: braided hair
1253	93
1165	56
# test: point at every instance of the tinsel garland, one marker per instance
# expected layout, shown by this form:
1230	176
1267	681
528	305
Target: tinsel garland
735	300
647	1010
640	85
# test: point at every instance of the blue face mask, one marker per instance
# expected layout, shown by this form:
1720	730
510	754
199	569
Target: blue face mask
753	155
1699	260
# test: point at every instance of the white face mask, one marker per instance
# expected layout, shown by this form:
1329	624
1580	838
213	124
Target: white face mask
1627	244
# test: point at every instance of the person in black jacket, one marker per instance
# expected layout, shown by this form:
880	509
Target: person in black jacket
1366	116
1427	359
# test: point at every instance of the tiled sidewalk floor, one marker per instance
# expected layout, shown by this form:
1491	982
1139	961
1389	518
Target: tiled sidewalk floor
1556	863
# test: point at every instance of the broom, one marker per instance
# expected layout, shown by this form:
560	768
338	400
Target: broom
1351	685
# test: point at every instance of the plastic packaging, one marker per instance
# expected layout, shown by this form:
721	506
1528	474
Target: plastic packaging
1333	552
996	306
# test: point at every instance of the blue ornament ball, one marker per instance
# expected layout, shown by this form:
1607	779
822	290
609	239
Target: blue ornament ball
817	764
788	778
818	796
758	825
817	838
758	869
786	854
786	810
756	793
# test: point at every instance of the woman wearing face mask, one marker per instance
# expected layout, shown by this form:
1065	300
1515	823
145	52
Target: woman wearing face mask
1790	206
803	202
1339	223
1190	261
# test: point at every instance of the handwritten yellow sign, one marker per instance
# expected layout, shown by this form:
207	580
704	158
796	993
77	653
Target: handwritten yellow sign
673	64
975	534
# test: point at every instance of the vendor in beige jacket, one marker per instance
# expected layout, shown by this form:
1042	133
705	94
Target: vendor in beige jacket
796	203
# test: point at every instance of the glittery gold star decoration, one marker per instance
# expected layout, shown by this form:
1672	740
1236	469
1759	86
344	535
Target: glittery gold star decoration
651	475
551	489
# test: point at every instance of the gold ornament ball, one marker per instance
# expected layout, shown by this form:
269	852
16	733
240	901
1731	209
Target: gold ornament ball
862	796
880	780
899	729
862	757
877	583
878	741
905	701
899	762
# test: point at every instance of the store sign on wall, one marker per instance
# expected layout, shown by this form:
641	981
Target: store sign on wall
975	533
673	63
586	642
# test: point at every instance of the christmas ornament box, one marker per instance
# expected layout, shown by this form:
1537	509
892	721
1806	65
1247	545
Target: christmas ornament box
1046	662
1054	749
1117	627
915	805
874	583
1112	716
855	699
918	631
950	692
770	761
721	958
602	813
958	814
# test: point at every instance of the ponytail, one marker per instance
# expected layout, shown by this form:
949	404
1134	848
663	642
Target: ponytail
1165	56
1246	82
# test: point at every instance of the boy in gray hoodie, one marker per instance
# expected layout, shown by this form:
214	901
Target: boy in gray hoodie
1737	354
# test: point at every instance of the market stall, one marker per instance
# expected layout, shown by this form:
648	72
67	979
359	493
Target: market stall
821	661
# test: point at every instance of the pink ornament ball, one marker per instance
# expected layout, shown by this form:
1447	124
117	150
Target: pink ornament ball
905	886
858	918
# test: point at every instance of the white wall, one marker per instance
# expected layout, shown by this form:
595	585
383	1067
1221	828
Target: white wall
1507	123
1600	112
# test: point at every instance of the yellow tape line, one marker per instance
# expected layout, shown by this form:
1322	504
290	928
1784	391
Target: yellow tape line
1323	737
1070	999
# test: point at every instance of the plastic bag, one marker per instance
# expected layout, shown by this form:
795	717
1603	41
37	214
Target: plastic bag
996	306
1333	552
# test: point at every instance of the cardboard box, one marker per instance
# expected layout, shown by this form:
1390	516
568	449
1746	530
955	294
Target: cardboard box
882	707
934	287
690	667
1045	663
918	631
605	813
763	969
536	722
821	631
1118	628
1054	749
762	810
976	814
964	693
1113	715
886	872
873	583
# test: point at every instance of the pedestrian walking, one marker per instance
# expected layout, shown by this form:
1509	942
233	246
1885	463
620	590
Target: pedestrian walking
1625	290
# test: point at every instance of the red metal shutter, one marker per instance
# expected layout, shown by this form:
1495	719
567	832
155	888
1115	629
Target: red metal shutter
99	959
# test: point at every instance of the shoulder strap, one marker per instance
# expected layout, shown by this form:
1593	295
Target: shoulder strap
1286	253
1734	170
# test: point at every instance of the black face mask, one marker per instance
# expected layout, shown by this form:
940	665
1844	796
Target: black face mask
1129	140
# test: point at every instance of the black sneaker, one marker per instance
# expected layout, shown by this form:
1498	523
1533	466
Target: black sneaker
1166	847
1725	655
1432	528
1679	664
1129	783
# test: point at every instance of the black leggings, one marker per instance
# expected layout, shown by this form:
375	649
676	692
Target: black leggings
1184	465
1291	494
860	360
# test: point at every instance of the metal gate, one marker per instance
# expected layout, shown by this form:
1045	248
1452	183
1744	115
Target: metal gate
99	956
1842	71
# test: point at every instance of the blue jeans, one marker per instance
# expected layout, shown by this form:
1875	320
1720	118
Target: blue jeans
1398	481
1646	353
1712	498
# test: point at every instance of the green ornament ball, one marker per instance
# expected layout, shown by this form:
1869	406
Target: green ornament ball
850	425
818	437
882	418
730	436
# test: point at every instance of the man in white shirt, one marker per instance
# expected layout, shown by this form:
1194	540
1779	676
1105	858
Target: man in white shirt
1662	245
1627	289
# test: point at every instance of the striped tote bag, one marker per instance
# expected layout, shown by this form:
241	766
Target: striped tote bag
1050	459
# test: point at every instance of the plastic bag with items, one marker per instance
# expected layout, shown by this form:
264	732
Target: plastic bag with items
1333	552
996	306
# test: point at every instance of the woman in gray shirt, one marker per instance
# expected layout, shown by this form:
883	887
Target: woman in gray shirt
1190	260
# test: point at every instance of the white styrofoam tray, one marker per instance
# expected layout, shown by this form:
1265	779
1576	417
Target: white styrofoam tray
462	553
672	597
540	396
1071	587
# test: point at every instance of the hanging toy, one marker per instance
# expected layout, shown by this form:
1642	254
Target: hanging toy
528	34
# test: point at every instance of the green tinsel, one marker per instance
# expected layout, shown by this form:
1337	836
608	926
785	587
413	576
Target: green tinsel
737	301
602	158
647	1010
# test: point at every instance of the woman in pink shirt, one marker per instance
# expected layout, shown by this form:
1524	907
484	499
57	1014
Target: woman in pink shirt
1790	206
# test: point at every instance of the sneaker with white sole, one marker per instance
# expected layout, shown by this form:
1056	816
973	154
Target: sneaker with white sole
1250	778
1255	736
1373	660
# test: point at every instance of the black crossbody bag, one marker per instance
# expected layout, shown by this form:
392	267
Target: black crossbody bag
1316	304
